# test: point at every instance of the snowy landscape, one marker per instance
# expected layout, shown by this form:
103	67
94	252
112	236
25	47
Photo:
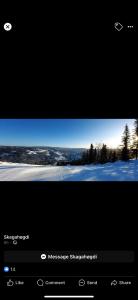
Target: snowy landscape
40	155
117	171
69	150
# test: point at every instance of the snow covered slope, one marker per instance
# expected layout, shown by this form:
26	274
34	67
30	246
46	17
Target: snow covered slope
118	171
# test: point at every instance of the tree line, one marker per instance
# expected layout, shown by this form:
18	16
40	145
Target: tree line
102	154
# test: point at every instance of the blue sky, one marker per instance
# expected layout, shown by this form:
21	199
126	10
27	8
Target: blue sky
62	132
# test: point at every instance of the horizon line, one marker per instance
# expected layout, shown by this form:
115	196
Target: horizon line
60	146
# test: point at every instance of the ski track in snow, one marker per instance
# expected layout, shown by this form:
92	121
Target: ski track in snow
118	171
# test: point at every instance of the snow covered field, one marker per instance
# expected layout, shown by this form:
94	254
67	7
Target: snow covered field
118	171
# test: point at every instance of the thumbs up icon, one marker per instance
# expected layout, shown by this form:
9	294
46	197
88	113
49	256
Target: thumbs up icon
10	283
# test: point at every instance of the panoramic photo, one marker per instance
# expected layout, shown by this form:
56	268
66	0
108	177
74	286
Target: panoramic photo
68	149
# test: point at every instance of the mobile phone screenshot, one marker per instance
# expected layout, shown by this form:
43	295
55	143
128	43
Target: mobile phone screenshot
68	151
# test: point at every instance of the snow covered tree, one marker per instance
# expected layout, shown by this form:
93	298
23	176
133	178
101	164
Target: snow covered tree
135	138
126	143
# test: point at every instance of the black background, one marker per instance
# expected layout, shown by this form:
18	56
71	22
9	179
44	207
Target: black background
54	69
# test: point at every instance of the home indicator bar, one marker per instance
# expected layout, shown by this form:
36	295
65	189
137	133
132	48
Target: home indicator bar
69	296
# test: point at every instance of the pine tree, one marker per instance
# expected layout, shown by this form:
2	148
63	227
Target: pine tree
126	143
135	138
85	157
110	155
91	154
103	154
114	156
95	155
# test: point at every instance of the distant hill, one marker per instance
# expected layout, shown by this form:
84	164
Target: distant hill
39	155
